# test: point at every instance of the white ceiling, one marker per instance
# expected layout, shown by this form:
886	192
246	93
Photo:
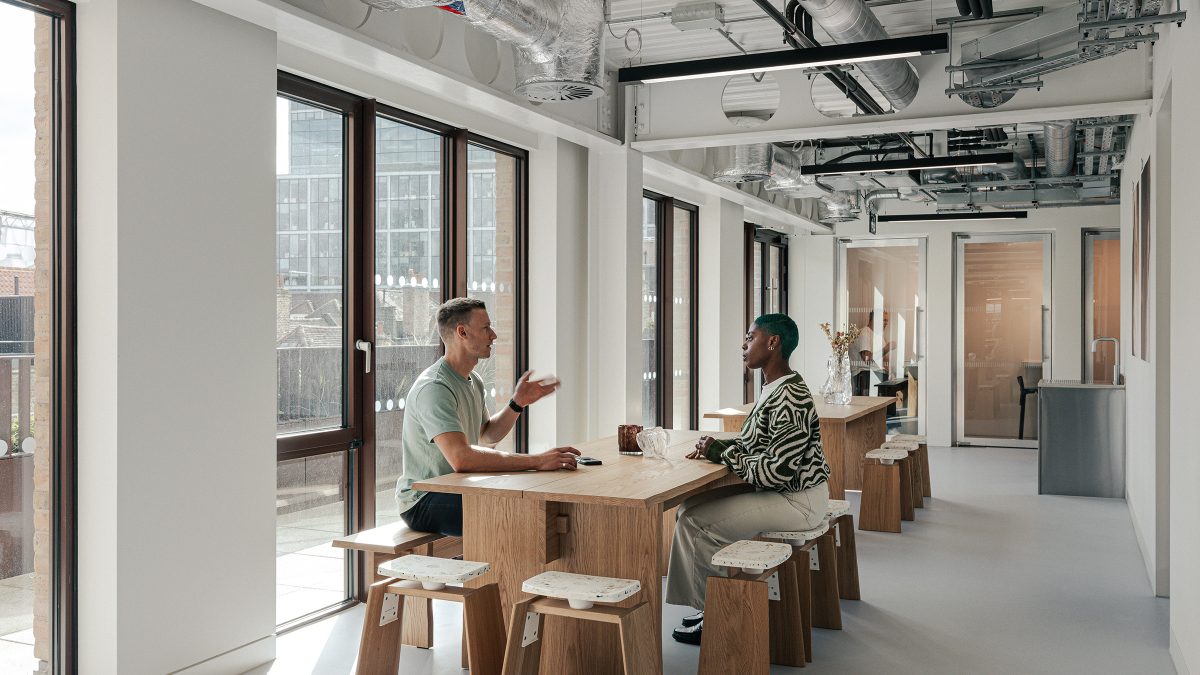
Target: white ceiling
662	42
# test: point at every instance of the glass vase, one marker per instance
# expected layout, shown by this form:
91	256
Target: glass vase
838	387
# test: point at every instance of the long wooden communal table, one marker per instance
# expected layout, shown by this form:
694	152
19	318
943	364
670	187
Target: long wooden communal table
847	433
604	520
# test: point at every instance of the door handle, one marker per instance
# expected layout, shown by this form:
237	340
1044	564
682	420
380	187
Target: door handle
365	347
920	333
1045	339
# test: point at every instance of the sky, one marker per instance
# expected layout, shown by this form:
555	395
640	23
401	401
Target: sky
16	109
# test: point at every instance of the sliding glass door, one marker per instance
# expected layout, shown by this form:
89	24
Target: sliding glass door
1002	330
881	289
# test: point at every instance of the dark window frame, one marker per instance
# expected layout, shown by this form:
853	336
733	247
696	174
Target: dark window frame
64	596
357	438
665	312
770	239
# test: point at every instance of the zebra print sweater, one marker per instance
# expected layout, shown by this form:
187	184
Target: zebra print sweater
779	446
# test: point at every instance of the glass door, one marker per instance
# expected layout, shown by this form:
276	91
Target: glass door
881	289
1002	336
1101	302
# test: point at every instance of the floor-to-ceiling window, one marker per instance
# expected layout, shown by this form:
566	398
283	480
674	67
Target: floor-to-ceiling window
766	285
669	236
381	216
37	542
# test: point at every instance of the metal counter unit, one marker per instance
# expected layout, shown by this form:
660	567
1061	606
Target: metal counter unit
1081	439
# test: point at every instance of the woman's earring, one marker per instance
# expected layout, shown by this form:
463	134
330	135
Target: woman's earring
770	349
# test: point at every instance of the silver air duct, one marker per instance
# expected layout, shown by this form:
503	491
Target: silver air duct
557	42
743	163
393	5
1060	148
848	21
785	170
839	207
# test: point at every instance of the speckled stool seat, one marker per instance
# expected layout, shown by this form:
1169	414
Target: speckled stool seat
922	459
815	553
752	617
910	471
841	521
882	505
575	596
427	577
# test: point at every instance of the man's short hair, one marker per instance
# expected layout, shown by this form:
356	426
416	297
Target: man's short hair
783	326
454	312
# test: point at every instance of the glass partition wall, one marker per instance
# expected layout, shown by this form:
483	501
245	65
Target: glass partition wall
669	370
1101	302
881	289
1002	322
381	216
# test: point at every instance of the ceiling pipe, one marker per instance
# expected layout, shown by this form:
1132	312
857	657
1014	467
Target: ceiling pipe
1060	148
850	21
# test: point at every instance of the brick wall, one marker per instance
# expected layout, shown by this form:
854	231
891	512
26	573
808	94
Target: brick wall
43	283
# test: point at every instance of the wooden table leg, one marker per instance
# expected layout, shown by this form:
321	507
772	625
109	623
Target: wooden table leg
833	444
860	437
512	535
609	541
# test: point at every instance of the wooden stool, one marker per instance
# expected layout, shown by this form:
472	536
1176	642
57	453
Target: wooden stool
426	577
922	459
752	618
574	596
387	542
842	523
917	492
880	509
820	546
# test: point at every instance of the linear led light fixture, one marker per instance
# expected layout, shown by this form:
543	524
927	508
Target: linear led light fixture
916	163
965	215
855	52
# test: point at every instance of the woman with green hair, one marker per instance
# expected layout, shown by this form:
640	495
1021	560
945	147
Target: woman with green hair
777	453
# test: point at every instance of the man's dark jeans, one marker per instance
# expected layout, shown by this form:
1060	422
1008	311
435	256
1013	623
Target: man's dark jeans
436	512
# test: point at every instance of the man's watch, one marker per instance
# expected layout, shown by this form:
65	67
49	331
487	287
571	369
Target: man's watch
512	403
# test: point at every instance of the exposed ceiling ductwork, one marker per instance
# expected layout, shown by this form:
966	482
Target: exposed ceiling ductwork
557	42
1060	148
848	21
993	68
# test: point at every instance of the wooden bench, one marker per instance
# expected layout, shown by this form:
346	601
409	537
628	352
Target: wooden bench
388	542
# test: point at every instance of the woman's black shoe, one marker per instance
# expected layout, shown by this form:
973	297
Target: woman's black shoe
689	621
690	635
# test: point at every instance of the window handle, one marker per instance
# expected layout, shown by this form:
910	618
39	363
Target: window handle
365	347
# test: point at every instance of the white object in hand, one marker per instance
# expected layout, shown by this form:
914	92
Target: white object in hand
548	380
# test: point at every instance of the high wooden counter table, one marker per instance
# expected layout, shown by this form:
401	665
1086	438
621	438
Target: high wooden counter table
604	520
847	433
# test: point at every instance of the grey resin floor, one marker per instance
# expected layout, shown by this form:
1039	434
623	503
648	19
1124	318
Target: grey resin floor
991	578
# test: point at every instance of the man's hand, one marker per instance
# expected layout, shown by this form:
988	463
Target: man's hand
528	393
701	448
555	459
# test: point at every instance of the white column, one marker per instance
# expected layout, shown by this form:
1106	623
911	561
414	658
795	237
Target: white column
176	509
722	306
615	288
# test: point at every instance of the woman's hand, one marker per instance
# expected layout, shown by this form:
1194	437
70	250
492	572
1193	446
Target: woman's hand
701	448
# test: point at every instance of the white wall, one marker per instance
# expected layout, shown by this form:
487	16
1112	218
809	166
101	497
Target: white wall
1148	376
176	332
1175	71
558	290
815	255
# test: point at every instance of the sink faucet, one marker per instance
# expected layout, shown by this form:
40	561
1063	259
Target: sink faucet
1117	354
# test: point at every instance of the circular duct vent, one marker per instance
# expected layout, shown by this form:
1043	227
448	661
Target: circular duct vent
558	90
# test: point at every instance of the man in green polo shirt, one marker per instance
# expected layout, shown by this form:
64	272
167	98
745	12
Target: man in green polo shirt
447	426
